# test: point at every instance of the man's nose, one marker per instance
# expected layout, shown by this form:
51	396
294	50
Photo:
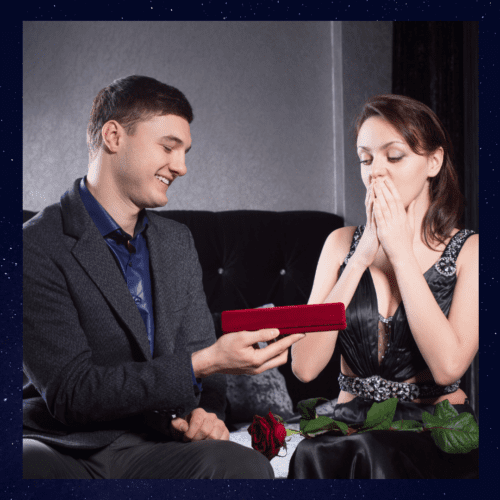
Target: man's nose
178	164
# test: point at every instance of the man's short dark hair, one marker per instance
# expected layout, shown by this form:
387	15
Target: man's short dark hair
131	100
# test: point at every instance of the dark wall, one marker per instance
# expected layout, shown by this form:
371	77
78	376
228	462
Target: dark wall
437	63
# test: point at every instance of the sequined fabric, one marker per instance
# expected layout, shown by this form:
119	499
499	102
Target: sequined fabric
447	264
379	389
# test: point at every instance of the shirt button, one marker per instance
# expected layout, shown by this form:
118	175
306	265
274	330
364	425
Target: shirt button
137	300
130	264
220	270
282	272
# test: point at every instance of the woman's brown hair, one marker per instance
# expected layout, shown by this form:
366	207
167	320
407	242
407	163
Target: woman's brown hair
424	133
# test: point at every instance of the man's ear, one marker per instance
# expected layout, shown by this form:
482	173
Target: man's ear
112	134
435	162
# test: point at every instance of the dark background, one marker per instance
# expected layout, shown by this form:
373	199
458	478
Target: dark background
437	63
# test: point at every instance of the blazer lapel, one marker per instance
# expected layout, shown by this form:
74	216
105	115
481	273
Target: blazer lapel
93	254
164	284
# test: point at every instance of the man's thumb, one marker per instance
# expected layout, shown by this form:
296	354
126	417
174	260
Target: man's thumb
180	425
272	333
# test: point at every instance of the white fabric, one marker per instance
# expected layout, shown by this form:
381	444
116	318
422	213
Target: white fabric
280	464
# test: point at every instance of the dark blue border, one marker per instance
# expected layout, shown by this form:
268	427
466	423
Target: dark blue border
11	484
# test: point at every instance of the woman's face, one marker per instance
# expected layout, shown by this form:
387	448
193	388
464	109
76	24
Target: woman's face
384	153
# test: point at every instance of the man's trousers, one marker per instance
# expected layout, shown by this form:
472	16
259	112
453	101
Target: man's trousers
139	456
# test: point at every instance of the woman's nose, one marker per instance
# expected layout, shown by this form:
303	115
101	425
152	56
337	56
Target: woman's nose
378	168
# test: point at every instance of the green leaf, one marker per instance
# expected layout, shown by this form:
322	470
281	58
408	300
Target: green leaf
306	407
430	420
445	411
318	424
341	426
407	425
380	415
457	435
321	425
290	432
443	414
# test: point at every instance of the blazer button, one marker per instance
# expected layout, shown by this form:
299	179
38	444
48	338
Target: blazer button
282	272
173	412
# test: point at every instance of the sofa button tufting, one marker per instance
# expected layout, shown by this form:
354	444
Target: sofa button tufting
220	270
282	272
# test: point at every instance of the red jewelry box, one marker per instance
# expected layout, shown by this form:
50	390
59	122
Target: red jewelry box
288	319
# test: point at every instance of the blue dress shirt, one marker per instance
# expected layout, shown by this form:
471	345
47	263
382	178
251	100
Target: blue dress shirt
132	256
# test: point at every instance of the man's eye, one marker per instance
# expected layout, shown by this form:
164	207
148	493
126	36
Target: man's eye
365	162
167	148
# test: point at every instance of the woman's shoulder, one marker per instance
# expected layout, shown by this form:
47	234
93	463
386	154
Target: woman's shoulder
339	242
342	235
469	253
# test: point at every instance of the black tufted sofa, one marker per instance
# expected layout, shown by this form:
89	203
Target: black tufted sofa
251	258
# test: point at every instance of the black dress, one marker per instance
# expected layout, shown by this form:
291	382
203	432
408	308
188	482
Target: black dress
370	347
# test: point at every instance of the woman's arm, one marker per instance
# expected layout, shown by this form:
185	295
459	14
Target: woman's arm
448	345
311	354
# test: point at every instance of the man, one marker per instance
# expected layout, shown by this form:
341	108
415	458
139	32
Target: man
125	373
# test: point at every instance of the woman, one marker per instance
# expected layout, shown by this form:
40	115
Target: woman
409	282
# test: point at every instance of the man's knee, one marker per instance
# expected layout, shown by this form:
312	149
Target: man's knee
41	461
38	460
234	461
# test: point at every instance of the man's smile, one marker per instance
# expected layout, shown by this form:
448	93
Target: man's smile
163	179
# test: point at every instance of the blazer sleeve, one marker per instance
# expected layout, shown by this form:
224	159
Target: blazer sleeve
199	331
89	375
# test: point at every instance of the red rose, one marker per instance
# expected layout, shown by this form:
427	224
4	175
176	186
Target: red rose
268	435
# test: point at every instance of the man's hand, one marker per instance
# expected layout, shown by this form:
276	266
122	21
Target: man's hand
199	425
238	353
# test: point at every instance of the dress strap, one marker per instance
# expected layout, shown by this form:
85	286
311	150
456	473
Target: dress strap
447	264
355	240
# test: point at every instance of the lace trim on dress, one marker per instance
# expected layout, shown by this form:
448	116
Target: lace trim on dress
380	389
447	264
355	240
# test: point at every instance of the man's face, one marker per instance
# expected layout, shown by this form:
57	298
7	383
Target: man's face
149	160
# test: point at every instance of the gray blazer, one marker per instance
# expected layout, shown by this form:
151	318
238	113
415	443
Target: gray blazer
86	350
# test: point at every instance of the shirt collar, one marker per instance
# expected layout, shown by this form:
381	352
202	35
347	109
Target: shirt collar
103	221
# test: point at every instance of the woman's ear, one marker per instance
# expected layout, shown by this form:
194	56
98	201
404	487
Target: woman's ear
435	162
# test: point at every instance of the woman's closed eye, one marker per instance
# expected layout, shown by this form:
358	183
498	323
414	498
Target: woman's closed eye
391	159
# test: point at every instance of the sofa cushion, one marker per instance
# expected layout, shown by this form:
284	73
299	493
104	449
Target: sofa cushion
251	395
